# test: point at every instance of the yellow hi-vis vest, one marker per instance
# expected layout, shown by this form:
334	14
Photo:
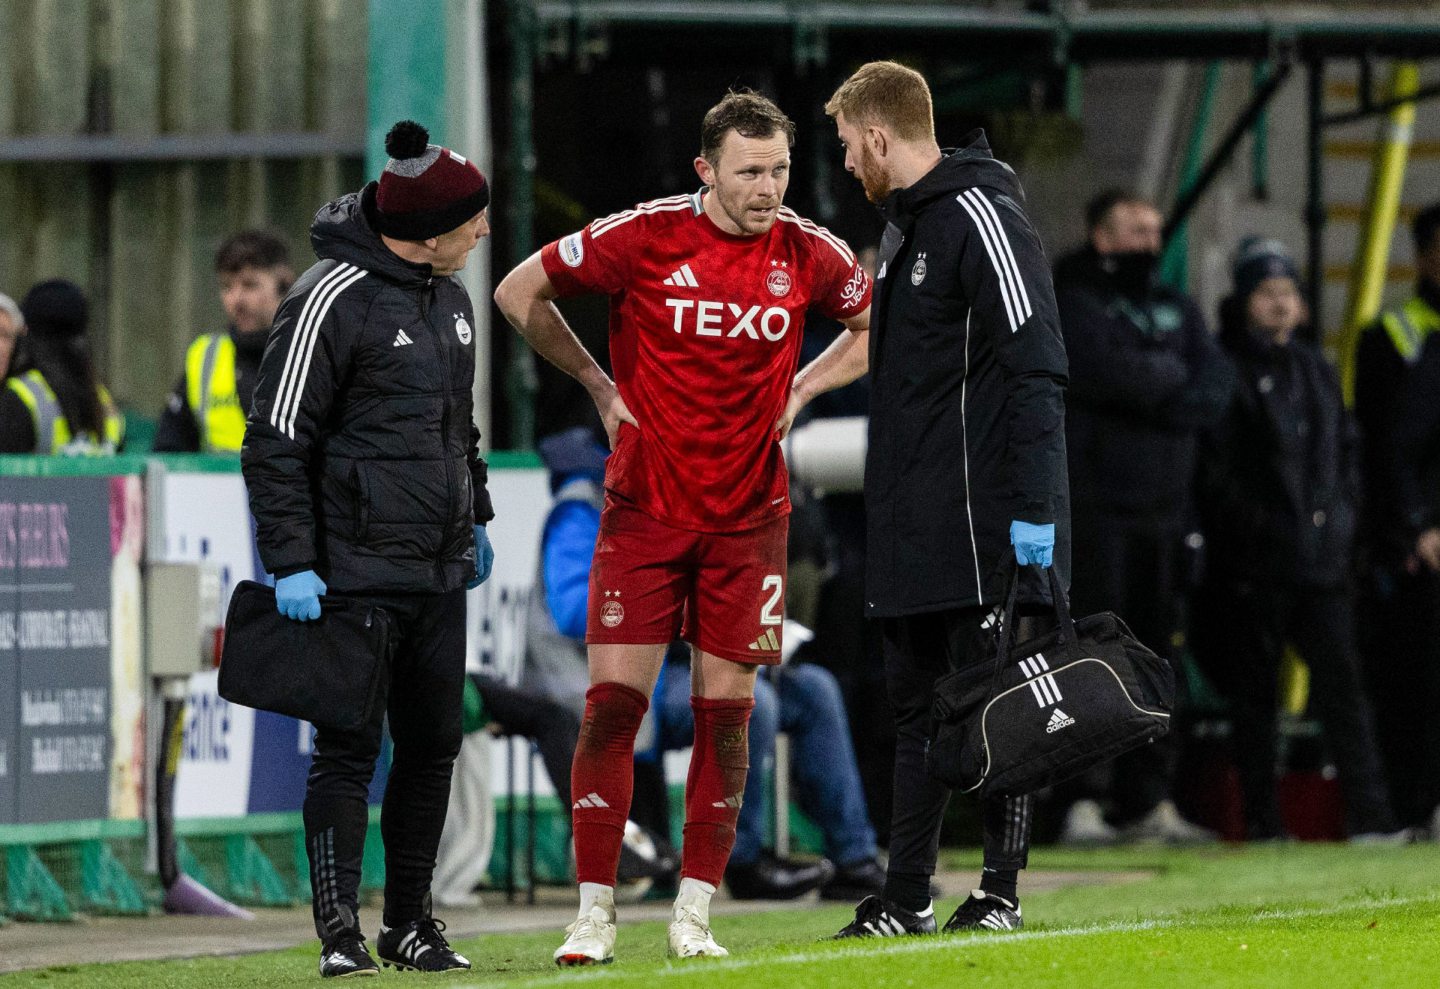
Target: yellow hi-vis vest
213	394
1408	327
52	429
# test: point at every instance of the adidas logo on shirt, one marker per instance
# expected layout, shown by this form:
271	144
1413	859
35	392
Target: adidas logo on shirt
591	801
402	339
1058	719
769	642
731	801
684	276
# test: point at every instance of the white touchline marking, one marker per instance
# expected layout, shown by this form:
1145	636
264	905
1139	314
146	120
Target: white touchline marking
952	942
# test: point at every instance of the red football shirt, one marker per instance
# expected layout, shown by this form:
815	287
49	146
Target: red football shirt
705	331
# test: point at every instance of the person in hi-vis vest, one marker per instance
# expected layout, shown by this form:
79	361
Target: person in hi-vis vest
206	411
53	402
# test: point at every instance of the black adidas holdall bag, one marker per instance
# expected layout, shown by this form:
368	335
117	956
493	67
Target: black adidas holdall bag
1050	708
327	672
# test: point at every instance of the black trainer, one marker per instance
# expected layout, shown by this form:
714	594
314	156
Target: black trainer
772	878
345	955
418	947
985	911
875	917
855	882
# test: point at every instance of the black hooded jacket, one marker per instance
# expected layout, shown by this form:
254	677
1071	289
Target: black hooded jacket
1279	473
1146	376
967	377
360	452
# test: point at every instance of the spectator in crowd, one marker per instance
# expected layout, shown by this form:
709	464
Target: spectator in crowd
1145	376
804	700
206	411
1400	605
1279	487
53	402
12	327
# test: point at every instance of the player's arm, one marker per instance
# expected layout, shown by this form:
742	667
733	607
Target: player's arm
846	359
527	298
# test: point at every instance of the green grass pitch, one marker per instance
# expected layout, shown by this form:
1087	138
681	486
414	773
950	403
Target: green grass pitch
1295	916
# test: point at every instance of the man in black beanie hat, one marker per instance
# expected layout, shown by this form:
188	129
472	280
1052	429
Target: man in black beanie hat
1279	484
53	402
366	482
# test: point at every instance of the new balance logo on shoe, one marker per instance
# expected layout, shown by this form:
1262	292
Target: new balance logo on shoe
402	339
1058	719
592	801
731	801
684	276
769	642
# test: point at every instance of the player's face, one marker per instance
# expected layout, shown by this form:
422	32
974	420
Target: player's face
748	182
452	249
250	297
861	161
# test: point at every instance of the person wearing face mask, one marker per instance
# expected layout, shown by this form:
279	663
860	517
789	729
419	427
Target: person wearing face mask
1279	486
1145	376
53	401
206	411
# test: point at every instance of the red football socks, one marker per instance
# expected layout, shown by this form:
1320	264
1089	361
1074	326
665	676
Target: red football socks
715	786
602	778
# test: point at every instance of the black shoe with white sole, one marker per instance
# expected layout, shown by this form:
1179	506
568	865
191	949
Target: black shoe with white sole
418	946
875	917
984	911
345	955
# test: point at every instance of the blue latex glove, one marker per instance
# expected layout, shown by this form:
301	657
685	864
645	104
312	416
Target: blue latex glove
484	558
298	595
1033	543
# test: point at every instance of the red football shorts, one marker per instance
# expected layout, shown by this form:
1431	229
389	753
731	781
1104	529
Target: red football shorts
723	592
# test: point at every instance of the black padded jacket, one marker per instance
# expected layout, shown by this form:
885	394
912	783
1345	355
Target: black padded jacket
360	455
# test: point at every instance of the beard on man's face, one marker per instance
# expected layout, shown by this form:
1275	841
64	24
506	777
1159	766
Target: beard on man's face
872	177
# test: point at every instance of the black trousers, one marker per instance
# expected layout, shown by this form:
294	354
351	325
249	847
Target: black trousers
918	650
1133	567
424	704
554	728
1400	642
1241	641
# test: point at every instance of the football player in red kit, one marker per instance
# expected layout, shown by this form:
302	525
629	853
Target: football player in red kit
708	295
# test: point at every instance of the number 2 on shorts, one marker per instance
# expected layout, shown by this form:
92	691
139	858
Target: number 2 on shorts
767	612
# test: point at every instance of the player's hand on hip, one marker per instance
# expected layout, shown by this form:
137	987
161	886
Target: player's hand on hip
298	595
1033	543
613	412
787	418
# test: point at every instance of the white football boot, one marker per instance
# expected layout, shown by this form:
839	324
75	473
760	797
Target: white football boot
591	939
690	935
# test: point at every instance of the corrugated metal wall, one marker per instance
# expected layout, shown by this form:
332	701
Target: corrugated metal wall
141	234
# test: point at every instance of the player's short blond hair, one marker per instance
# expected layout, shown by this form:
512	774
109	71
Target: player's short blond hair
886	94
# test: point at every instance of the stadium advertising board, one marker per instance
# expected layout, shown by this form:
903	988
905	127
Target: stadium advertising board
55	633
